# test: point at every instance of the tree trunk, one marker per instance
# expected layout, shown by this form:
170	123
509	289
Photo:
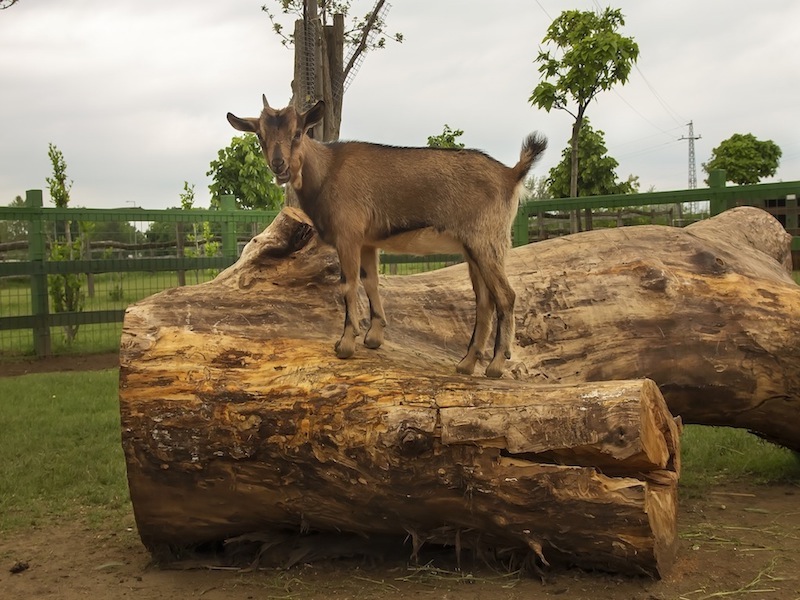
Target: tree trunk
237	417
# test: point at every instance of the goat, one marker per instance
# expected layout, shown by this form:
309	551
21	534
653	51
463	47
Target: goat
362	197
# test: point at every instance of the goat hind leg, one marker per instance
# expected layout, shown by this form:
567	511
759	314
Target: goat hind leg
369	277
483	321
348	261
504	298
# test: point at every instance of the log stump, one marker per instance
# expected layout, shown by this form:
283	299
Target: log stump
238	420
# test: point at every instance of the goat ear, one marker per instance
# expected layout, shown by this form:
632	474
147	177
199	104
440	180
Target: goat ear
246	125
313	115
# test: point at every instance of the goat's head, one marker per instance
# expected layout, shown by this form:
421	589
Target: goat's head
280	133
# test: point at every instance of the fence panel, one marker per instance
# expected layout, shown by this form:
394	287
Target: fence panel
67	275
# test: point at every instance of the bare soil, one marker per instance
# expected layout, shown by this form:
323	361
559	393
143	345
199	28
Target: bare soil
735	542
82	362
741	542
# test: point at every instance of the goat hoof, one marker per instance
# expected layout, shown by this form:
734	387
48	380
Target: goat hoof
373	341
465	367
344	350
495	371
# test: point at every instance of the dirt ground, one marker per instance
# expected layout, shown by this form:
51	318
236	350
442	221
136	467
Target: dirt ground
735	543
741	542
82	362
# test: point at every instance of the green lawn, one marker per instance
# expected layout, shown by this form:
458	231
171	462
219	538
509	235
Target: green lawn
62	457
60	447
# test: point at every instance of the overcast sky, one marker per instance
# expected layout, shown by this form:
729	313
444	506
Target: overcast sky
135	92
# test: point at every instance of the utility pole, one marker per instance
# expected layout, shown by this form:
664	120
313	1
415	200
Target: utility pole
692	163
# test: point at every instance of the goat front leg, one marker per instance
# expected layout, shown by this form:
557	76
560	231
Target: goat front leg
483	321
349	263
369	277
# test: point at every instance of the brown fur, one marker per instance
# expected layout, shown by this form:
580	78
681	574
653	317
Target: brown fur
362	197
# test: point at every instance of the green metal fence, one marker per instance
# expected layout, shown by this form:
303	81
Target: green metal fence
122	255
190	246
535	219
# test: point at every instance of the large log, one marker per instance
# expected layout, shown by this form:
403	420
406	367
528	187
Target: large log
237	417
584	475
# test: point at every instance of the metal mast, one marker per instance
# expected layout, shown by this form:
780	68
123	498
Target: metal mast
692	163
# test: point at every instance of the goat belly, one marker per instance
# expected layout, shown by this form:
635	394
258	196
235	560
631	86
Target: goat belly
421	241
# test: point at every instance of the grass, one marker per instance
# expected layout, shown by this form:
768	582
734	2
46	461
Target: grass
720	455
62	457
60	447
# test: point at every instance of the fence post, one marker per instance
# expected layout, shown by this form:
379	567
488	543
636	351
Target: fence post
520	226
37	254
716	181
229	249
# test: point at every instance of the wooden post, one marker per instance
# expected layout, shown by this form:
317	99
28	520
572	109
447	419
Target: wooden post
37	254
229	248
179	243
716	181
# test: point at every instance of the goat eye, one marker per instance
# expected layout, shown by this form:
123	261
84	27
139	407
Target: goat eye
298	134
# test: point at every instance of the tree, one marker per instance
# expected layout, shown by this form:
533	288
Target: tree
745	159
14	231
240	170
353	36
537	188
319	39
65	290
57	184
7	4
447	139
589	56
596	175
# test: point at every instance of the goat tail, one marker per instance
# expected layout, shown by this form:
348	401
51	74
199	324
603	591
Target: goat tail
532	148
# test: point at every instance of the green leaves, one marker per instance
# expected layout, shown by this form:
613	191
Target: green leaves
596	174
58	184
588	55
240	170
745	159
447	139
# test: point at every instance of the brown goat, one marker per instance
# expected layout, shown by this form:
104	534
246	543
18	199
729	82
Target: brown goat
362	197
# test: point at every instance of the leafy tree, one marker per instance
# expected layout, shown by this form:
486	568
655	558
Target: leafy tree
745	159
59	186
240	170
353	35
202	233
326	35
596	175
65	290
537	188
447	139
14	231
589	55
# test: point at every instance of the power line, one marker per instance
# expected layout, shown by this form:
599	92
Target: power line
544	10
680	120
649	149
633	108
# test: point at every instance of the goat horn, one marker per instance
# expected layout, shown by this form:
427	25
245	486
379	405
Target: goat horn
264	98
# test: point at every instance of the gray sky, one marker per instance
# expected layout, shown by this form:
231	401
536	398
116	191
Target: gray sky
134	92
